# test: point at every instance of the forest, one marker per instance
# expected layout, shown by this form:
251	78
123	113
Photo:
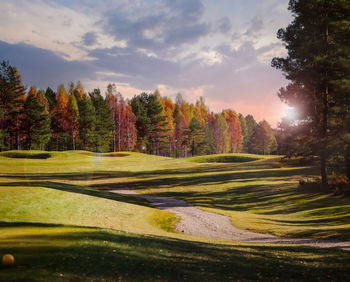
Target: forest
150	123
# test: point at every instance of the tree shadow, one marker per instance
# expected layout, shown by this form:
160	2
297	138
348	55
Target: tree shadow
110	255
80	190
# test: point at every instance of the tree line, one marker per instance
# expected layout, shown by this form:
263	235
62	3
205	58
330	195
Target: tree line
318	68
71	119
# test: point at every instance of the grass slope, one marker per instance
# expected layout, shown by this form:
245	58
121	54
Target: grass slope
47	205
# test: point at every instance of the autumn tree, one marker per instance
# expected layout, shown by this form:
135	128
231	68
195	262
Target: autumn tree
263	140
219	129
234	132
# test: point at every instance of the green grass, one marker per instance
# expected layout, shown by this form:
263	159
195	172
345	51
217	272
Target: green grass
58	217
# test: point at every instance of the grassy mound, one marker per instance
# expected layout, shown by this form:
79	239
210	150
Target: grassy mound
26	154
226	158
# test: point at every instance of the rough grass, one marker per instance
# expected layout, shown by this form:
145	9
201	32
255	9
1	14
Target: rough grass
46	206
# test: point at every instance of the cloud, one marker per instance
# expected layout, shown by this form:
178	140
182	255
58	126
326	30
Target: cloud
42	67
176	45
89	38
224	25
158	26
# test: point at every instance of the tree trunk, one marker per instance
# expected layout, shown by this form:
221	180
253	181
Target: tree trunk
73	141
323	156
119	130
347	164
323	165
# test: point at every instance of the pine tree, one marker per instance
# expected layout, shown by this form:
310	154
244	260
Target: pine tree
196	138
73	117
87	120
103	123
150	122
12	95
51	98
251	124
318	67
36	124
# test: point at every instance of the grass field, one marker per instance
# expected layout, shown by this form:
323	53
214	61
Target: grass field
60	221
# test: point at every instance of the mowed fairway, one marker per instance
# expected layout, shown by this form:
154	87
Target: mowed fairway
59	220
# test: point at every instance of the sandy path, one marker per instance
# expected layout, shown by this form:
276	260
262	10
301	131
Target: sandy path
206	224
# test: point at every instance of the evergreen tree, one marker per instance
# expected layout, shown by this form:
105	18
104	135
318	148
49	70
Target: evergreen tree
196	138
87	120
150	122
51	98
73	117
103	123
158	124
143	121
251	124
36	124
12	95
317	65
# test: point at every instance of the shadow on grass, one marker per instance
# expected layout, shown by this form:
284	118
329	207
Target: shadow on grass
80	190
97	254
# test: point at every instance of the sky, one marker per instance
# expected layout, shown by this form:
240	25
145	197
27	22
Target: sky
218	49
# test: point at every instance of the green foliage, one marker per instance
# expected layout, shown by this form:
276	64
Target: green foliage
87	120
11	101
196	138
149	122
318	66
51	97
103	123
35	124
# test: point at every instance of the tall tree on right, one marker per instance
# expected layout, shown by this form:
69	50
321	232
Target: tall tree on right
318	67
